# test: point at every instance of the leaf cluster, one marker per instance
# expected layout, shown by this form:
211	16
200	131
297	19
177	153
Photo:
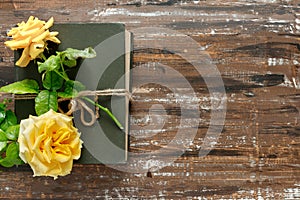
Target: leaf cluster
55	80
9	133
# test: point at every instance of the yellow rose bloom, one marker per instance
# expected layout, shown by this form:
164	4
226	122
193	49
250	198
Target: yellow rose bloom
49	143
31	36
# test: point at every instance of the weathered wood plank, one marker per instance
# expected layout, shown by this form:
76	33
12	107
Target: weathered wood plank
255	46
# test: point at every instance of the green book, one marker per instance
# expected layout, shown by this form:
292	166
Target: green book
104	142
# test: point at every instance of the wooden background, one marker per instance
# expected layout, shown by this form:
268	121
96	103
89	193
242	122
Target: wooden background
256	47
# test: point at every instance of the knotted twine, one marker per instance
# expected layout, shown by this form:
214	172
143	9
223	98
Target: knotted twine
77	103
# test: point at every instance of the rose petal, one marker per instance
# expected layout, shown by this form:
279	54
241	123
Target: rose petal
24	59
36	48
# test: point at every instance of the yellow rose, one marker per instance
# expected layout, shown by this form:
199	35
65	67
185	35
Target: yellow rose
49	143
31	36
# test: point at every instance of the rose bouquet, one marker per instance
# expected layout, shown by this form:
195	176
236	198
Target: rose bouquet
48	142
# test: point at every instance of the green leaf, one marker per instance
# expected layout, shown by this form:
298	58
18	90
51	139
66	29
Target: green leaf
3	137
12	153
78	86
69	63
12	150
10	162
2	116
73	54
12	156
12	132
52	81
26	86
2	146
6	162
18	161
45	101
52	63
65	94
70	55
3	106
10	120
71	89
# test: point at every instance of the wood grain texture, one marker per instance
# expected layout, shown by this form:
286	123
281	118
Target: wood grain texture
255	46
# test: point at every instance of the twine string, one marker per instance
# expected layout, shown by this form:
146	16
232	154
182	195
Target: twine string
77	103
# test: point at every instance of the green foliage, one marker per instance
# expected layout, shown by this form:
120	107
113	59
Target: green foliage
9	133
45	101
56	79
71	89
3	146
27	86
56	82
12	156
12	132
52	81
3	137
52	63
2	115
10	120
69	56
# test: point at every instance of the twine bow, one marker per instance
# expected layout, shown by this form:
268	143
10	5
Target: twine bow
78	103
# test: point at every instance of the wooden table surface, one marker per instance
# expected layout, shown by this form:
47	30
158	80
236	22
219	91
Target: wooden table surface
255	45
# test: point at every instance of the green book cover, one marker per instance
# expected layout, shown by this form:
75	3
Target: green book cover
104	142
